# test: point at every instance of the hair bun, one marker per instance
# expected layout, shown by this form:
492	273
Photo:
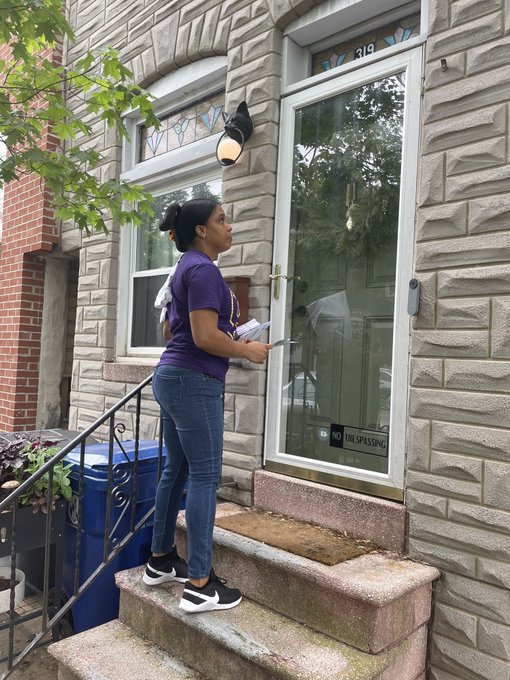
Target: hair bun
171	216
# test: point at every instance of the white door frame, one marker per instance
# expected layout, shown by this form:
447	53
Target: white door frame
391	484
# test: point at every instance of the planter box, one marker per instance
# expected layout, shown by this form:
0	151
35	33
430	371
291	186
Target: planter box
31	528
30	539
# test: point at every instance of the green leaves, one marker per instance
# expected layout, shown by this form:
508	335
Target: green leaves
37	454
37	92
32	25
20	459
346	177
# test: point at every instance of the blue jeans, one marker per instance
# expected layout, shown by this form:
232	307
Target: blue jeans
192	413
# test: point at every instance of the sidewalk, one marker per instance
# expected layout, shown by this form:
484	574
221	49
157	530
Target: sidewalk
38	665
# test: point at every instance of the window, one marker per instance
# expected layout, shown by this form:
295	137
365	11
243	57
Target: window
373	41
184	127
154	256
175	163
341	35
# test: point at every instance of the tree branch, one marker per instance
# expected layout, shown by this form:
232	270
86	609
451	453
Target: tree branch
49	88
14	7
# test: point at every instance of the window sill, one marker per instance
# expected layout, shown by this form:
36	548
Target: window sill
124	372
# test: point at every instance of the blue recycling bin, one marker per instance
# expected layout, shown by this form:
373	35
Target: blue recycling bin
100	602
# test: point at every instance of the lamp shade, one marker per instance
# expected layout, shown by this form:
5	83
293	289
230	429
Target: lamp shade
238	128
228	150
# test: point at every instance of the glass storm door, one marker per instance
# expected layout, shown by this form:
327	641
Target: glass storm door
342	263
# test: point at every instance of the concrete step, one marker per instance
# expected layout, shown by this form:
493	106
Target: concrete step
369	602
377	520
112	652
251	642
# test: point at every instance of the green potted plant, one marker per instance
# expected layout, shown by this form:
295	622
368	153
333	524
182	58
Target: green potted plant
20	459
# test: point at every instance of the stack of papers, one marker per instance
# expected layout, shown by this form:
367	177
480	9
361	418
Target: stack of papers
251	330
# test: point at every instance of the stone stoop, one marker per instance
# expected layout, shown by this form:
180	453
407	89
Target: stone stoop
370	602
252	642
115	652
363	619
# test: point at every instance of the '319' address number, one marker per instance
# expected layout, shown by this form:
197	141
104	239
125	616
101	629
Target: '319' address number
363	51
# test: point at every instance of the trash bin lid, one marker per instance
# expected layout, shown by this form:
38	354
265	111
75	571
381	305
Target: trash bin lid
96	456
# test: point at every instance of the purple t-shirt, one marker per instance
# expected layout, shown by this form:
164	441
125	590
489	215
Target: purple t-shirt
198	284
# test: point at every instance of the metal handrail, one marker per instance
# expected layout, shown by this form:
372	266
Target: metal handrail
121	511
27	484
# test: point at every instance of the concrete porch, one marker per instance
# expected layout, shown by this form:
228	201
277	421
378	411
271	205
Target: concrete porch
364	619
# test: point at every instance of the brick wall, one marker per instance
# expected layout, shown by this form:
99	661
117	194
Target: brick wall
28	231
459	449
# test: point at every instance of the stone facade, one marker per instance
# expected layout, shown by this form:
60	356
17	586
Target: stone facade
458	465
155	40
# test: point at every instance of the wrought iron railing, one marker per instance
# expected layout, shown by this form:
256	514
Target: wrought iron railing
20	532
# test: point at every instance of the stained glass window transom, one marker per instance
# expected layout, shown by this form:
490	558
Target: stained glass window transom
368	43
197	121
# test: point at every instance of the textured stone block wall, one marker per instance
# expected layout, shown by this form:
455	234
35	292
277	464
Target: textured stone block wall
154	39
458	468
458	472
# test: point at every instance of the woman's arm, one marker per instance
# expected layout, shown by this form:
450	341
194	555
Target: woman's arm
207	336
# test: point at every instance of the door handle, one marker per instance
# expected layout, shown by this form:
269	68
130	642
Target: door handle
276	278
273	277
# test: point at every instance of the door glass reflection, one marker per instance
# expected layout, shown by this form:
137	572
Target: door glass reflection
336	394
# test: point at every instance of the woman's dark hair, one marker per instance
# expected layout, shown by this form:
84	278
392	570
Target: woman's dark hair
183	219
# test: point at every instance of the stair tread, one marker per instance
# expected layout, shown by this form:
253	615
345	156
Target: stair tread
282	646
378	577
381	521
113	651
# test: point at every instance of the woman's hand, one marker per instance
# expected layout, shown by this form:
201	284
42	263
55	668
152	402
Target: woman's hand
257	352
207	336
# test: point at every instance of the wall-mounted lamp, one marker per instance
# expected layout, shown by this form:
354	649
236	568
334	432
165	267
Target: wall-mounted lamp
238	128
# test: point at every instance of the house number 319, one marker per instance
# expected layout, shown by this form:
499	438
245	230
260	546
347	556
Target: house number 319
364	50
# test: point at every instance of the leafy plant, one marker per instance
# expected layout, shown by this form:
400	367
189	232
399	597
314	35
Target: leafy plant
20	459
38	95
12	458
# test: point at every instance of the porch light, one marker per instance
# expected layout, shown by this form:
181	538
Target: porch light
237	130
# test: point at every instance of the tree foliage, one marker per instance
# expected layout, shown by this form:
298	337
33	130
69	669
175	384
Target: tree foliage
153	249
38	94
346	178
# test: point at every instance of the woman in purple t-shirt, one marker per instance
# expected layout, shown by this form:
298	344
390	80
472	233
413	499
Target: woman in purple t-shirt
188	384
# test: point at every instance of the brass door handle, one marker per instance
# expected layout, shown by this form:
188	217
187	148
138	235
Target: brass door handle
276	278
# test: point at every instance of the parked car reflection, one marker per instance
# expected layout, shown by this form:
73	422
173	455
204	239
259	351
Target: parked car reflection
298	395
305	425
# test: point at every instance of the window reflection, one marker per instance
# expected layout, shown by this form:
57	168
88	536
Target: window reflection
155	254
342	254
